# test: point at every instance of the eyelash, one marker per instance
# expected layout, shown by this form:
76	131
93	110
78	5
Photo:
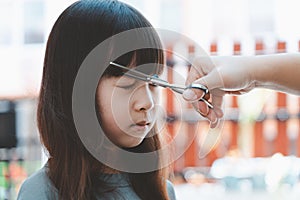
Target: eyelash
128	87
153	85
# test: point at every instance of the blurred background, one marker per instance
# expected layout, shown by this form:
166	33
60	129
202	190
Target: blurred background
256	152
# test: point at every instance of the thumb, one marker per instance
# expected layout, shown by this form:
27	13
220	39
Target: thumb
212	81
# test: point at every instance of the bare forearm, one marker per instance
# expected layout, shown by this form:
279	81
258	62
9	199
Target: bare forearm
279	72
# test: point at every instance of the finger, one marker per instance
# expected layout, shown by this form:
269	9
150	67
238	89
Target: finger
201	108
204	111
217	103
214	124
219	112
193	94
212	81
217	100
214	120
211	116
194	74
201	66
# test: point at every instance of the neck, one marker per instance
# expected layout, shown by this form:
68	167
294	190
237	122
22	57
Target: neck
108	170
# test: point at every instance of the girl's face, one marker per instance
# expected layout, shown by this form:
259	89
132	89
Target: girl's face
127	109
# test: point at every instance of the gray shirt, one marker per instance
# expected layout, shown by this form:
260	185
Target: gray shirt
39	187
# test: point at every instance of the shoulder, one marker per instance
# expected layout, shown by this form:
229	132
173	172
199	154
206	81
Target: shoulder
171	191
37	186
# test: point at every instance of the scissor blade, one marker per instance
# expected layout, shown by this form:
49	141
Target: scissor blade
145	79
180	89
153	79
133	73
159	82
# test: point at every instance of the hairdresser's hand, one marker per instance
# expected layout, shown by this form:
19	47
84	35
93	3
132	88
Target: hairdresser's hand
221	75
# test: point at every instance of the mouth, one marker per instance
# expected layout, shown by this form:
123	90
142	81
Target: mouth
143	123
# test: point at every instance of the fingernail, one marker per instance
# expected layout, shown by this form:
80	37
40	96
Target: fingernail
214	120
214	125
189	95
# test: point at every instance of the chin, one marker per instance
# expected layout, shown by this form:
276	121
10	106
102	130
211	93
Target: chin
132	143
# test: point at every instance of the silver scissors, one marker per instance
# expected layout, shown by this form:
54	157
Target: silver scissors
154	80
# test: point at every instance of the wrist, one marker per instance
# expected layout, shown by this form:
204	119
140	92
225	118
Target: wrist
260	71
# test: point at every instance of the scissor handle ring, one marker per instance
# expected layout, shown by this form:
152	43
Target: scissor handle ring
204	89
198	86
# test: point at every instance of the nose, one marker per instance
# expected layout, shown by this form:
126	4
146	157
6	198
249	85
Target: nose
143	98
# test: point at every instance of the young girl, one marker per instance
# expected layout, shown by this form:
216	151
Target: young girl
125	109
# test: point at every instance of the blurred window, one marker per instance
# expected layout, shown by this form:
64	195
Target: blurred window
5	23
34	18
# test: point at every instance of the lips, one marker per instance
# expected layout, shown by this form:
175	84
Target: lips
142	123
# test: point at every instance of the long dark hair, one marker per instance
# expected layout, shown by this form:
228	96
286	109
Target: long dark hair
79	29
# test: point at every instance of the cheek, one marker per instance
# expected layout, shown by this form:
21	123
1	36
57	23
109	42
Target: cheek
103	99
109	121
113	107
120	106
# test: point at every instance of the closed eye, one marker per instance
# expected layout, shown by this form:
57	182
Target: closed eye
126	83
126	87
